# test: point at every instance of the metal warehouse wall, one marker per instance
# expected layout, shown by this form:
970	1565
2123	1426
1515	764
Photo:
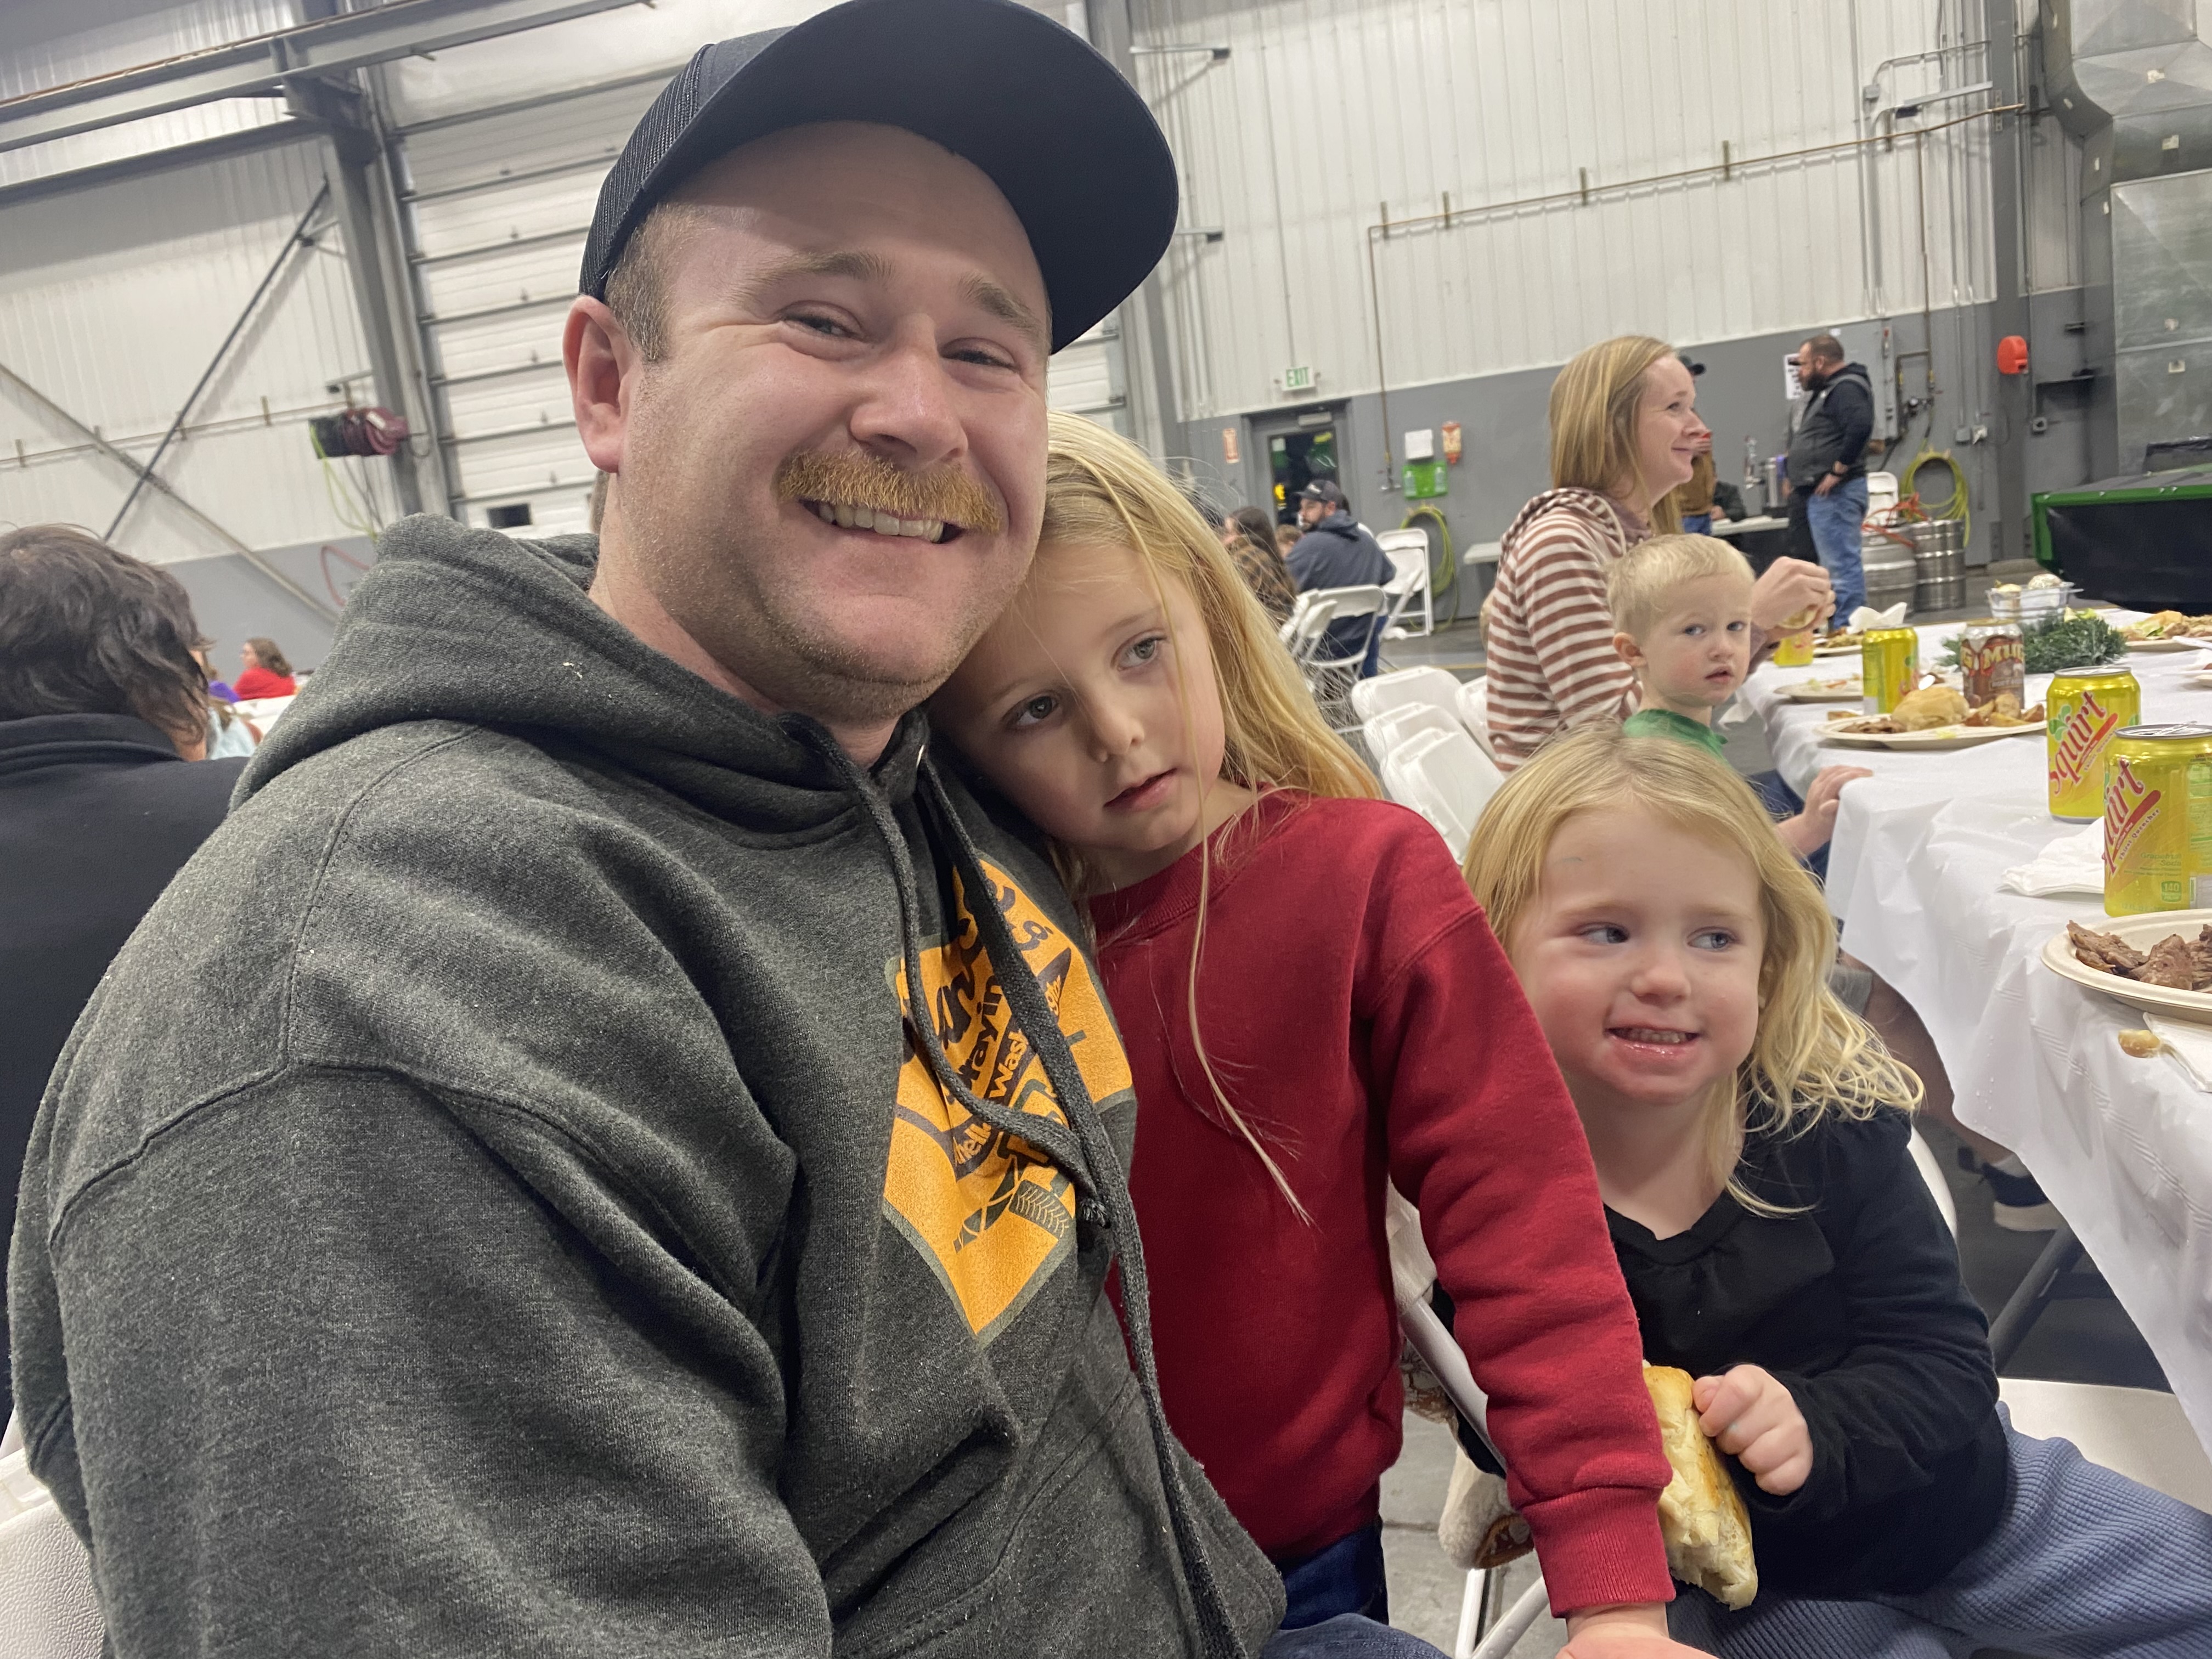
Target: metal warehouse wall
1328	117
506	143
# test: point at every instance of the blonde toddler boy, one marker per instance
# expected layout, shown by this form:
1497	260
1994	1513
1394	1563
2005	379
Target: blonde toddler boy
1681	613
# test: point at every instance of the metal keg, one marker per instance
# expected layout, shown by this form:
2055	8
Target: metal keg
1939	565
1887	558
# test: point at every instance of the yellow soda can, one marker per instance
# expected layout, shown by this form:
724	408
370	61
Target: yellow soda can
2085	707
2158	818
1794	648
1891	667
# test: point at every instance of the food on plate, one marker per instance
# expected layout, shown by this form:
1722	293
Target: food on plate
2044	579
2170	625
1866	725
2007	590
1834	686
1701	1516
1929	707
2175	963
1842	636
2003	710
2141	1044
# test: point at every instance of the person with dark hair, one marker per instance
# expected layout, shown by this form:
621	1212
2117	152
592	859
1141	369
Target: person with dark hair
1336	551
1827	463
265	673
1249	535
101	702
657	1189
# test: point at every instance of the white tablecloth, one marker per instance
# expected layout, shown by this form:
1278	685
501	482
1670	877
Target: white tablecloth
2122	1146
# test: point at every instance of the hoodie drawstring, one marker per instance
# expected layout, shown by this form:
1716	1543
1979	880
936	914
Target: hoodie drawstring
1033	1013
1080	1147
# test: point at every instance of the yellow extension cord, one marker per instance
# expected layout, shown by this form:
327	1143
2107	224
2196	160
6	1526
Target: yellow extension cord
1955	504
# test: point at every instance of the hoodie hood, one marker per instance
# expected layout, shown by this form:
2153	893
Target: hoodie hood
1610	517
457	624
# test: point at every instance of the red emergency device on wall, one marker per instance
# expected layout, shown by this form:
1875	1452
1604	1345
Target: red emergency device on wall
2012	355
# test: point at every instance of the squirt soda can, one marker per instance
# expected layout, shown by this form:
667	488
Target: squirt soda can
2085	707
1890	659
2158	817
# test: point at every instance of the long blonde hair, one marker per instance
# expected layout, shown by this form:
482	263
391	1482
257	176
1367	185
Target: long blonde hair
1101	490
1811	1056
1595	407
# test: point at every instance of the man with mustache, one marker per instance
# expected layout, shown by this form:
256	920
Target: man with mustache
659	1199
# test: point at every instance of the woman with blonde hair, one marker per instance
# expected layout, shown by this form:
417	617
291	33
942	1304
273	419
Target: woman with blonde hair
1625	434
1313	1009
1753	1142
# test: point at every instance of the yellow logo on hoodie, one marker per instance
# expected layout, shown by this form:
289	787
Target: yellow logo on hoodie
988	1212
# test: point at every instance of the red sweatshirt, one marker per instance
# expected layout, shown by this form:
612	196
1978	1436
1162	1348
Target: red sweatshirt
258	682
1361	1016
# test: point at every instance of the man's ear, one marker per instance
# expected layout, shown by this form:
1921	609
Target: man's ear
1630	652
602	360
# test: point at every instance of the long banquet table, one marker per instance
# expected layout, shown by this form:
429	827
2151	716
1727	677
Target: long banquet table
2122	1146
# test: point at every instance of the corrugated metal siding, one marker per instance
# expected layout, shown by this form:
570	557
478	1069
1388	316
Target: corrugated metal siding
51	43
509	243
1329	114
111	301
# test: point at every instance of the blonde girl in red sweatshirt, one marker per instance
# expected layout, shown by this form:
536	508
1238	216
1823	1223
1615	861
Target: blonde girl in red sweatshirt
1314	1008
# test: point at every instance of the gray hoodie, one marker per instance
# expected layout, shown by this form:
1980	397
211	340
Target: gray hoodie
493	1205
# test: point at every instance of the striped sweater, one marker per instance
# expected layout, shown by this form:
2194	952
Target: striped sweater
1552	661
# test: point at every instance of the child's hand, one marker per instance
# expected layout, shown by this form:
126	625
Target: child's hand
1813	827
1623	1632
1753	1418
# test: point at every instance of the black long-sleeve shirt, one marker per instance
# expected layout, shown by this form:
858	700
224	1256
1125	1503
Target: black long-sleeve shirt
1854	1303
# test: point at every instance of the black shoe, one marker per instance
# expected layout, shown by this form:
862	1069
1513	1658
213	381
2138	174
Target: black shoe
2019	1205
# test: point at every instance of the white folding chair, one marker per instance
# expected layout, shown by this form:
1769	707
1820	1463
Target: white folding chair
1333	678
1309	621
1434	686
1446	779
1408	553
1412	1276
1472	699
47	1606
2138	1432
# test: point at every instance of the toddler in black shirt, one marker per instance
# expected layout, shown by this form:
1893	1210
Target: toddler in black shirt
1752	1143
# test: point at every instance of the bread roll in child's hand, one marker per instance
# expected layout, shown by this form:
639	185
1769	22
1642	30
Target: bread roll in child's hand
1701	1517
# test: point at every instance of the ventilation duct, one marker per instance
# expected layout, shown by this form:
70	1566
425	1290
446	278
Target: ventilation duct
2133	80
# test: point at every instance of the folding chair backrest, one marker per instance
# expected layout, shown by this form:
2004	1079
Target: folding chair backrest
1385	730
1348	604
1472	699
48	1609
1433	686
1309	621
1408	553
1446	779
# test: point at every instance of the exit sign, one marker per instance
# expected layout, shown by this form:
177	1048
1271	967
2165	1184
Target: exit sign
1297	379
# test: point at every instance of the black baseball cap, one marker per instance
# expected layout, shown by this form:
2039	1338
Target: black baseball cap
1320	489
1065	137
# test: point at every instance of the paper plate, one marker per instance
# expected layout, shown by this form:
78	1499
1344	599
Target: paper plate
1935	736
2142	932
1815	692
2169	645
1850	650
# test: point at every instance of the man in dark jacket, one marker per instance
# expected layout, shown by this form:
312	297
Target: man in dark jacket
1335	552
101	706
653	1192
1827	463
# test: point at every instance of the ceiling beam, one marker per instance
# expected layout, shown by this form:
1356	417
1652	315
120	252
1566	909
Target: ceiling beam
262	65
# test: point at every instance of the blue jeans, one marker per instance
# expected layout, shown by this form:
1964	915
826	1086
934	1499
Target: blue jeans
1347	1636
1346	1577
1697	524
1838	519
